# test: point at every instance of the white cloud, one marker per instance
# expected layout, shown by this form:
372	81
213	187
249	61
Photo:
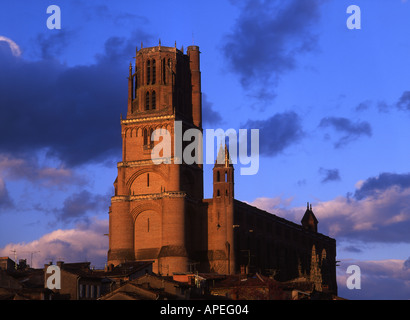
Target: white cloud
70	245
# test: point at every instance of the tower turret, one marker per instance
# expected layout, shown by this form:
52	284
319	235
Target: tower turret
194	63
309	221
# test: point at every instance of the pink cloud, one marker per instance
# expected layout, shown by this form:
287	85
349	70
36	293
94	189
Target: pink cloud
70	245
382	216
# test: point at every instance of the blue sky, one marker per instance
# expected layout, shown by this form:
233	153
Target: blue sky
332	106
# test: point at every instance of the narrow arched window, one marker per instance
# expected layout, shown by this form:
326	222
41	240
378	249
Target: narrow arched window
151	131
147	101
169	71
218	176
164	69
136	83
145	137
148	72
153	100
154	72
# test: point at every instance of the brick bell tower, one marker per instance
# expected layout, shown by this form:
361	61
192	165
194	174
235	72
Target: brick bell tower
221	253
153	203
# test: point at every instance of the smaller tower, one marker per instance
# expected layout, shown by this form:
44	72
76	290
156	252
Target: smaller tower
221	216
309	221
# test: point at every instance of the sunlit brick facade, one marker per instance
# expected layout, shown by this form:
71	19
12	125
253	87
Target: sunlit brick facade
159	212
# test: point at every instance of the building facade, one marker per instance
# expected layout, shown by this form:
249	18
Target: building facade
158	212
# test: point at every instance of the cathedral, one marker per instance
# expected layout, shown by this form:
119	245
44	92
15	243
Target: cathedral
158	212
